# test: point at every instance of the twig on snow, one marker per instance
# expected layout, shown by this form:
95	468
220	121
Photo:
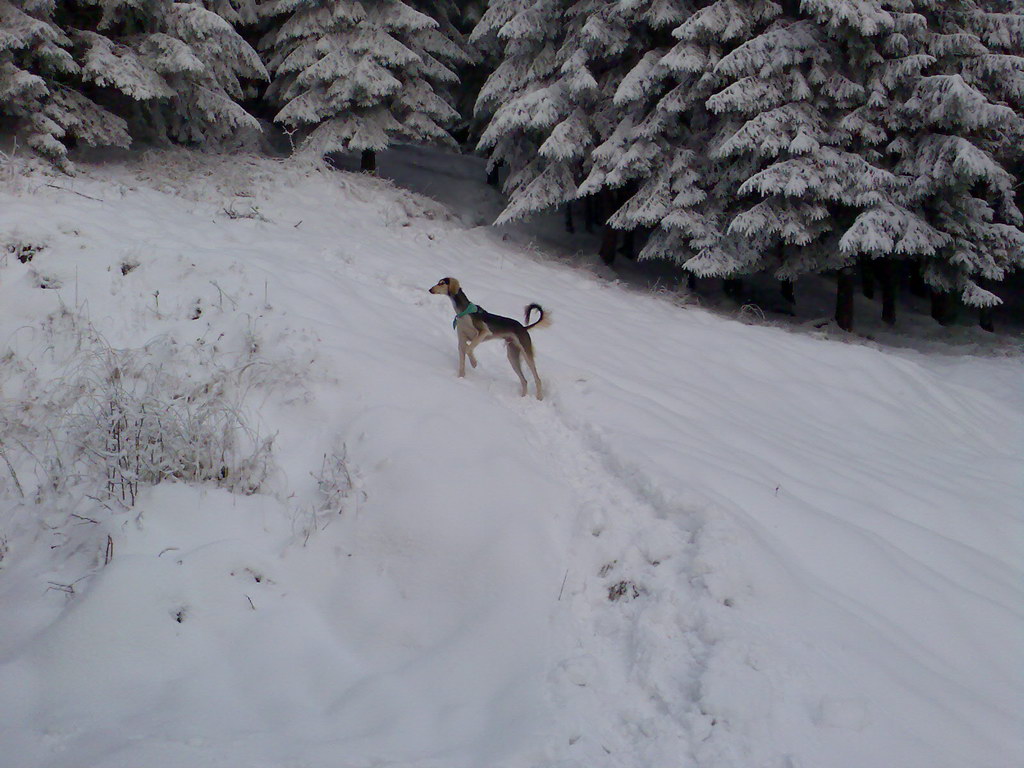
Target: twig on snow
73	192
10	468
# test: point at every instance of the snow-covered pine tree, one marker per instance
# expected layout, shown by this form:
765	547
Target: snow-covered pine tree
240	14
359	74
455	19
521	101
800	183
935	113
38	75
888	66
251	19
969	127
657	151
553	97
206	106
182	66
639	158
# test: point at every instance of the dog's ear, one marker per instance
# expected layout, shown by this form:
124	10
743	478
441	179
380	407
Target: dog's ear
453	285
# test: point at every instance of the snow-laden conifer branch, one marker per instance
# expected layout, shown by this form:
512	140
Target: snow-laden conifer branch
356	75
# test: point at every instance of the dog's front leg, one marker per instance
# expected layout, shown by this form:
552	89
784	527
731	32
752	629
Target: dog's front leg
463	342
466	350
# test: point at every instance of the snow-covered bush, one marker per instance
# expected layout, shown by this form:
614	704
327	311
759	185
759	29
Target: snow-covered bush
107	421
16	168
219	178
335	489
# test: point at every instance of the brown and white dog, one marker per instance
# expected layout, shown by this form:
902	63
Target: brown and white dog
473	325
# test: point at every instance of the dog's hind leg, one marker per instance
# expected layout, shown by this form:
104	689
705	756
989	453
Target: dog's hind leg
527	347
514	354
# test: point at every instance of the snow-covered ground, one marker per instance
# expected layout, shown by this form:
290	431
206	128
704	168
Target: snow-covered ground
716	542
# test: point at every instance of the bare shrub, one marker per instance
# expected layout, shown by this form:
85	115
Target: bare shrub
127	418
751	314
334	491
213	176
13	170
677	294
334	481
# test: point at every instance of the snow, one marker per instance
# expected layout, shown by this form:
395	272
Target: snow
714	543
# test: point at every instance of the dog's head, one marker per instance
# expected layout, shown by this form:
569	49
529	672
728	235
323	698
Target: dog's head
448	286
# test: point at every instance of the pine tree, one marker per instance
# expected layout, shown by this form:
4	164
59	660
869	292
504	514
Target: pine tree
240	14
798	137
521	101
809	114
657	151
455	19
36	67
787	90
888	66
942	106
182	65
967	108
554	98
359	74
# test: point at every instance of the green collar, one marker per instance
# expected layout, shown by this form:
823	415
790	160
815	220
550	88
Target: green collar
471	309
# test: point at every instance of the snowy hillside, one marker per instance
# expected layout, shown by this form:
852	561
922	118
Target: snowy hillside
714	543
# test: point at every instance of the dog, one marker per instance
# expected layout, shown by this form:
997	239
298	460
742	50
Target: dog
474	325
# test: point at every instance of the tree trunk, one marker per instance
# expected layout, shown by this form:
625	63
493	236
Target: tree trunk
788	290
568	218
845	286
732	287
589	213
916	282
609	239
628	248
691	281
605	205
887	277
368	162
494	174
941	310
985	319
867	276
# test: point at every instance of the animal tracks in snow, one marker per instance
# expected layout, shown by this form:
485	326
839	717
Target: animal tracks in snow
625	595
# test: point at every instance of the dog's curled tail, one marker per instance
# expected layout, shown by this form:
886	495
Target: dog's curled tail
542	321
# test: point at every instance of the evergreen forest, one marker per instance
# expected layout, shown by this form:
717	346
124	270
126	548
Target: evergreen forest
878	142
